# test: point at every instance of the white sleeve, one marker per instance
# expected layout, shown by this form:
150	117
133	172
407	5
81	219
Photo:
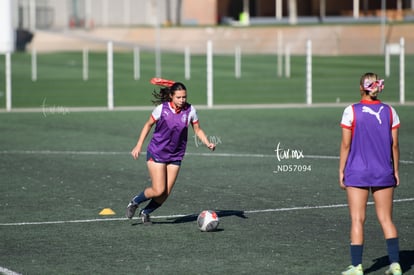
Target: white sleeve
156	113
193	115
395	118
347	117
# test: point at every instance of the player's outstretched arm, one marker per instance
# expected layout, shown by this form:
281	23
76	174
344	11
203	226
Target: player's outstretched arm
202	136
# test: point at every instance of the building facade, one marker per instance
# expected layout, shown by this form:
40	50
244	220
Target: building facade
61	14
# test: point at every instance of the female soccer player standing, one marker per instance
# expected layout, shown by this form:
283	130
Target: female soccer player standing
167	147
369	157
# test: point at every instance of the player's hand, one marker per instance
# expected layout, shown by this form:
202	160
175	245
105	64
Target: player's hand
397	179
211	146
135	152
341	181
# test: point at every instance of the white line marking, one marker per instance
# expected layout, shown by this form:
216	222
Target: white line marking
48	152
316	207
201	107
6	271
185	215
215	154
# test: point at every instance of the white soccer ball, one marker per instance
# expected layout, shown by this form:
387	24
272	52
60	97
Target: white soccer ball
208	220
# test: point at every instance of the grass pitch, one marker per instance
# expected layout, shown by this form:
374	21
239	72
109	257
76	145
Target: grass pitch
60	170
59	79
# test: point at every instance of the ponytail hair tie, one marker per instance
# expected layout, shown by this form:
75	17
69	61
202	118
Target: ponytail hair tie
161	82
373	86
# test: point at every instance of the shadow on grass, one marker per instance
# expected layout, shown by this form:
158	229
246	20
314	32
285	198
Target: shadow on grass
220	213
193	217
406	262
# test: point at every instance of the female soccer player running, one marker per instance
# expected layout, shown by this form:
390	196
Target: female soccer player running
369	157
167	147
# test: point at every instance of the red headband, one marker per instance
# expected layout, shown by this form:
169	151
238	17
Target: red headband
162	82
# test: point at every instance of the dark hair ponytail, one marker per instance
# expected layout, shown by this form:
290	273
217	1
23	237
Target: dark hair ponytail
165	93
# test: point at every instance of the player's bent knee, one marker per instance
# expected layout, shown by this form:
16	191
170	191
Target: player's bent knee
157	192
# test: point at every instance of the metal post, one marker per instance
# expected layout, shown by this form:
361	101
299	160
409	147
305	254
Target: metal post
34	64
309	72
209	73
402	71
8	82
237	62
137	64
85	59
110	75
187	63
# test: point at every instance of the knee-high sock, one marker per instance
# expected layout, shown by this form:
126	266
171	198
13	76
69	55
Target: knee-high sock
151	207
393	250
140	198
356	254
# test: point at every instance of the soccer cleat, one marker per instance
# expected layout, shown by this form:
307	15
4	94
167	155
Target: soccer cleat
354	270
395	269
131	208
145	218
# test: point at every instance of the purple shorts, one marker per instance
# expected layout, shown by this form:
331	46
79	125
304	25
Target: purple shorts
150	157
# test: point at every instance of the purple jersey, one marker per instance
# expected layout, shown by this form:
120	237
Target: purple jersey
169	139
369	163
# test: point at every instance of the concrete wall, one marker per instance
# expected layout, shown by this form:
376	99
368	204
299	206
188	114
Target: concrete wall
326	40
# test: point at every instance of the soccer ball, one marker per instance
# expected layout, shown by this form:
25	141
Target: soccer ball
207	221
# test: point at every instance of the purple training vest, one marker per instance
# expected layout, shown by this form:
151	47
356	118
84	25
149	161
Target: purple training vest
369	162
169	140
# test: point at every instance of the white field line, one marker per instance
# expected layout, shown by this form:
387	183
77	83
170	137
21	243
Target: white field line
215	154
6	271
46	109
299	208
